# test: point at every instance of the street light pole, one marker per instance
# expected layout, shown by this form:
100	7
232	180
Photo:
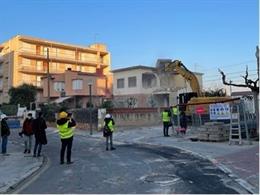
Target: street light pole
90	103
230	87
48	75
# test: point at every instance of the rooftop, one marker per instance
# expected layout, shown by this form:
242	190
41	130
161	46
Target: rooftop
133	68
91	48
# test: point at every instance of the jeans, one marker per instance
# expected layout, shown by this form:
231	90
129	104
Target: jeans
110	137
28	142
165	128
39	146
66	144
4	144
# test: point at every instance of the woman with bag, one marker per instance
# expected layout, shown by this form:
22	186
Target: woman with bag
39	126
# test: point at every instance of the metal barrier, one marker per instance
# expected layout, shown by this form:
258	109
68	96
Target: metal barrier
217	116
13	123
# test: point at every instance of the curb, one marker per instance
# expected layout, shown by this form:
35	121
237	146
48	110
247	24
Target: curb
31	173
225	169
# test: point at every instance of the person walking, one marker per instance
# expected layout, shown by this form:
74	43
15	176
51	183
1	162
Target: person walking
39	126
166	118
65	126
108	129
5	132
27	131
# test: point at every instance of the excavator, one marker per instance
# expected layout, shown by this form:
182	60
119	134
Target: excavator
179	67
176	66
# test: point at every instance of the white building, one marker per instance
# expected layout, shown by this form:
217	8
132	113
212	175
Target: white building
144	86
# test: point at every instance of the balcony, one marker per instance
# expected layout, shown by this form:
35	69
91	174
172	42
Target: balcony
59	57
31	70
34	83
92	49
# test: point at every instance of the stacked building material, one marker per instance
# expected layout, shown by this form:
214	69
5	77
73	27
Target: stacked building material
214	131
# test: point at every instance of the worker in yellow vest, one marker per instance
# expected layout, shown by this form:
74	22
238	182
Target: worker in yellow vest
65	126
108	130
166	118
175	113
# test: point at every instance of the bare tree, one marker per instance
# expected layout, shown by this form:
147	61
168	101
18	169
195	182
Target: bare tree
249	83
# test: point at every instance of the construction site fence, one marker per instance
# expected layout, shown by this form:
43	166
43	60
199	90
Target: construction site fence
197	120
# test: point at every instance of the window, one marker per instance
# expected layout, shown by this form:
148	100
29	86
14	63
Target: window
38	81
148	80
39	65
45	51
78	68
59	86
120	83
77	84
131	81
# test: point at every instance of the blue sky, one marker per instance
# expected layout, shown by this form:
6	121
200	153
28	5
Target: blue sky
203	34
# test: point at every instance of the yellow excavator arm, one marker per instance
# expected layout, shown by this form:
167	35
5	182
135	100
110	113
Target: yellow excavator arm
178	66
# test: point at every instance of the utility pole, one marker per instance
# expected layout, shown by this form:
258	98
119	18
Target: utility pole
48	74
230	87
257	57
90	103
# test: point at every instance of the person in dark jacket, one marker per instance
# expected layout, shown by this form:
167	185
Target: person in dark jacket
39	126
65	125
183	122
27	131
108	130
5	132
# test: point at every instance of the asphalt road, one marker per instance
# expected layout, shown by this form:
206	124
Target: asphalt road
128	169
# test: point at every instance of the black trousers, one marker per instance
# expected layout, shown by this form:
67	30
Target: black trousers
110	137
38	146
66	144
165	128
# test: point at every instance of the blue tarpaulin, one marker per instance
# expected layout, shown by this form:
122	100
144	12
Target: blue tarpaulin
13	123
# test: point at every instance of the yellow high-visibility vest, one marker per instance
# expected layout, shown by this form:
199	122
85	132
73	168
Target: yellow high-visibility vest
110	125
64	131
175	111
165	117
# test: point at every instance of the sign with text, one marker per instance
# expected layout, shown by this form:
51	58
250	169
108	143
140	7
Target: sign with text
219	111
200	110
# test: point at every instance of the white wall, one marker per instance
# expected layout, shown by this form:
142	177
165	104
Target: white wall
132	90
168	81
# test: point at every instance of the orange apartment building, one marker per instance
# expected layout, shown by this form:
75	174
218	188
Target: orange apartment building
72	68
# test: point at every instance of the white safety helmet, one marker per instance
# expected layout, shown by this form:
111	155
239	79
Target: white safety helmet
108	116
3	116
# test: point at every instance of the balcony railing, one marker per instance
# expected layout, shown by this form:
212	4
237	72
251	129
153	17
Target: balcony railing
60	57
34	83
31	69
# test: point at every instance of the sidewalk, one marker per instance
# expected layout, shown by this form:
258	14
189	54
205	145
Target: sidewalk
240	162
16	167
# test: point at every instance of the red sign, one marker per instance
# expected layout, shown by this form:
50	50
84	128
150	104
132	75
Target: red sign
200	110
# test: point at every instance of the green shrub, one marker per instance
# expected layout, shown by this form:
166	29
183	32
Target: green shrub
9	109
50	110
107	104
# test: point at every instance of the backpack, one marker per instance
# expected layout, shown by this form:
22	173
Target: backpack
106	131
